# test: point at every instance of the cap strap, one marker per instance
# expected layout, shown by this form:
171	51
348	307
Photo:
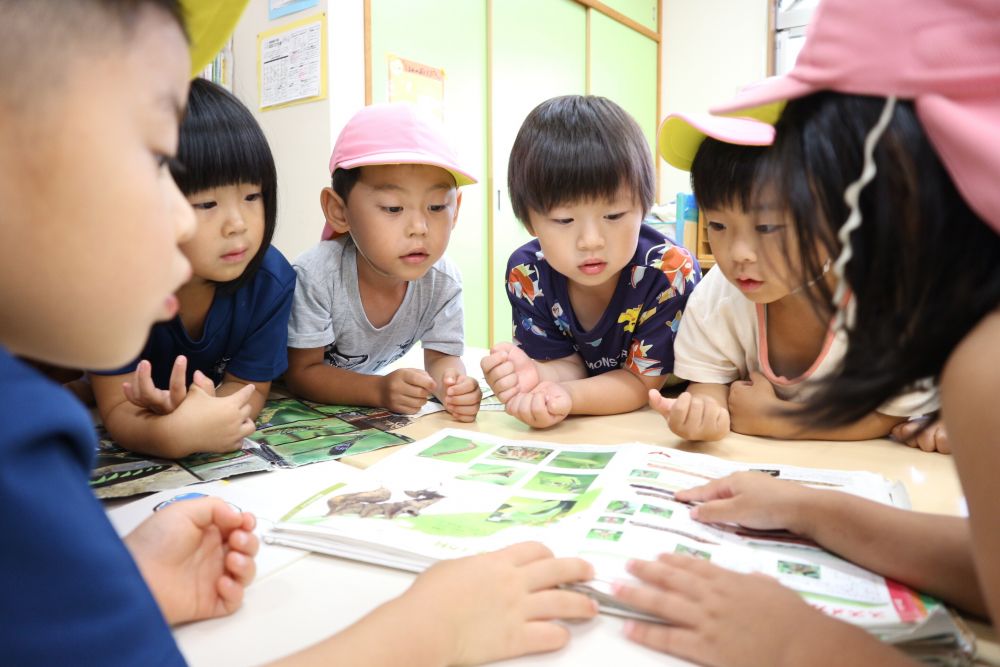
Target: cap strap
852	195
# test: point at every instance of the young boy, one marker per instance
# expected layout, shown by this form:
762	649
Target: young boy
89	259
379	281
597	297
752	344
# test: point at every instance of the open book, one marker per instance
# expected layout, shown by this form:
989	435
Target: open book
460	493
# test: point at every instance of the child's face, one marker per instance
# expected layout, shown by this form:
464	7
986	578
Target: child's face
755	250
91	217
590	242
228	233
401	217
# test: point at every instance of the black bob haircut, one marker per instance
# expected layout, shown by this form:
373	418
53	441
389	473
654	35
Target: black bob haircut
925	267
578	147
221	144
343	181
726	176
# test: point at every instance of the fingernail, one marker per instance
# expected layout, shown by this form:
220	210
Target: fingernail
631	565
629	627
694	512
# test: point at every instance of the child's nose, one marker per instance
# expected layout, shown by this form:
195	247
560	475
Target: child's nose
590	238
744	251
234	224
416	224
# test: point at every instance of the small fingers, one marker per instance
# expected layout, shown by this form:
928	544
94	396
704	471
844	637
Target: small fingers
178	381
555	603
680	642
550	572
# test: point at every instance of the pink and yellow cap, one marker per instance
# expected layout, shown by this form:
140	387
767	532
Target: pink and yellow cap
942	54
209	23
395	133
681	135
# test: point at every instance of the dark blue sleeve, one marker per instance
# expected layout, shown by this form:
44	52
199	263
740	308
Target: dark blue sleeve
71	593
263	354
535	327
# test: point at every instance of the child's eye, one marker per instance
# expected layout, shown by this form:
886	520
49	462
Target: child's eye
437	208
716	226
254	196
205	205
615	216
768	229
562	221
392	209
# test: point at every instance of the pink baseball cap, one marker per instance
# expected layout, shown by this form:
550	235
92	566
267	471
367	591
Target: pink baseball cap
394	133
942	54
681	135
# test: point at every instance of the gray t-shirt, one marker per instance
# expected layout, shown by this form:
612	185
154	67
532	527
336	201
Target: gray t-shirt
327	311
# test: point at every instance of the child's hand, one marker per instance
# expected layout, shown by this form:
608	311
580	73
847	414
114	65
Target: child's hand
931	439
461	396
196	557
692	417
405	391
545	405
501	604
719	617
752	500
144	394
752	405
207	423
509	371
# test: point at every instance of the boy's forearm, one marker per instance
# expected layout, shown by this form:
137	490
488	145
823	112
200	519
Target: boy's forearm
929	552
364	642
562	370
139	430
609	393
324	383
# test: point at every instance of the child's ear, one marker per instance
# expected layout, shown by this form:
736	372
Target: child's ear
458	205
335	210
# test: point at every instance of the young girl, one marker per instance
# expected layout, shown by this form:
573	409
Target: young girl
92	214
915	113
205	375
751	342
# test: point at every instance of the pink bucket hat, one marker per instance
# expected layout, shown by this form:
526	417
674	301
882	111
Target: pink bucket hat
681	135
942	54
394	133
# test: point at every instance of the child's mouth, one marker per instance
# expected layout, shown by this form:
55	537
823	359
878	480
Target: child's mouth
234	256
415	257
592	268
748	284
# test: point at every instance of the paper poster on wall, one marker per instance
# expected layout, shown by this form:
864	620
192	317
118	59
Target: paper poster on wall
410	81
279	8
291	63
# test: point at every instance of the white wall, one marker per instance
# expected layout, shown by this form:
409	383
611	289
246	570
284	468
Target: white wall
301	136
711	48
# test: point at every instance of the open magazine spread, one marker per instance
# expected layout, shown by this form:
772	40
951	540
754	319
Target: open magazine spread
290	433
459	493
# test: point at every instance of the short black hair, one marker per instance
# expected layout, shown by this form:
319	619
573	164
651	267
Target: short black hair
726	175
221	144
38	39
924	268
344	180
578	147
